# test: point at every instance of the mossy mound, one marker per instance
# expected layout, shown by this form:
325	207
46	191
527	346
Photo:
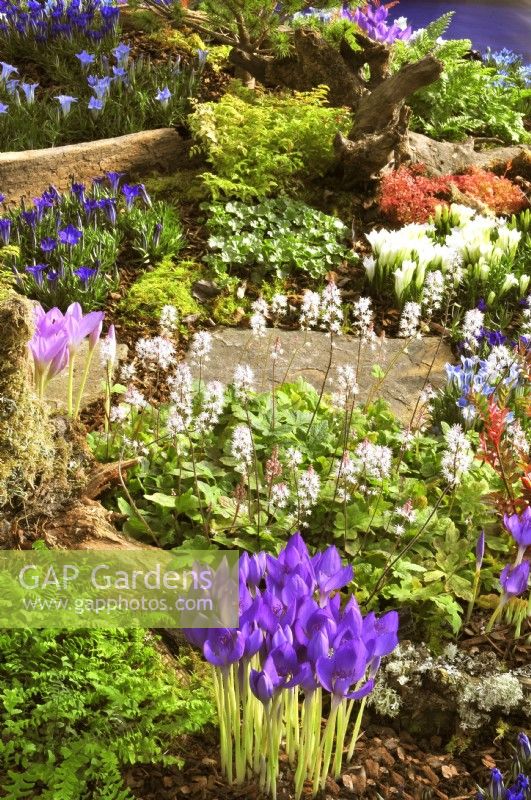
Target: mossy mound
167	284
183	186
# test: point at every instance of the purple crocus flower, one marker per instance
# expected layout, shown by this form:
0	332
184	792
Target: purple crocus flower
497	788
380	635
524	745
330	574
519	526
262	685
5	229
130	192
223	646
36	270
78	191
78	325
70	235
514	579
338	672
48	346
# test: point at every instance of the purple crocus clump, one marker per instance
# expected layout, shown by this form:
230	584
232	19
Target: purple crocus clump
373	20
290	606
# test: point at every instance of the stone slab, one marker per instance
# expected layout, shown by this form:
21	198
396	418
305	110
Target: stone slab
306	355
56	391
29	172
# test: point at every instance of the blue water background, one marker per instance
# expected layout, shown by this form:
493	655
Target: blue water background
489	23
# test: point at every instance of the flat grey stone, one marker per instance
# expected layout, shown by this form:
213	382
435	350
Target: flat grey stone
307	354
56	391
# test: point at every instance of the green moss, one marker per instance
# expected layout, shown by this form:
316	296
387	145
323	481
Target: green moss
189	43
7	279
142	20
167	284
184	186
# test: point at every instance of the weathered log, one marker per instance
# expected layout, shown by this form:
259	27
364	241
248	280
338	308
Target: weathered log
443	158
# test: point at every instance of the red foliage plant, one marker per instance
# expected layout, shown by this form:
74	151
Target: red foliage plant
409	195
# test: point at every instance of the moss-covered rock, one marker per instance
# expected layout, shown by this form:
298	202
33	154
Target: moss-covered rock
183	186
167	284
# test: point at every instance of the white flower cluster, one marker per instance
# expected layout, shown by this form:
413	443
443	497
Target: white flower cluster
472	326
322	309
477	245
258	320
243	381
169	318
433	291
155	353
242	446
363	320
201	347
411	317
373	460
308	486
458	457
347	387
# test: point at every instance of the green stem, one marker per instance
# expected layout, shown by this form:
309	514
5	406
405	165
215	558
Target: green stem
356	731
70	389
88	362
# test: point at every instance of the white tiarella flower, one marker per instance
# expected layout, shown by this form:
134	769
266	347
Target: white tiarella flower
181	394
156	353
243	380
501	363
134	398
472	325
347	387
399	530
410	321
176	423
347	476
362	319
293	457
310	309
279	305
119	413
276	350
212	403
331	311
433	292
242	445
260	306
518	437
374	460
458	457
201	347
127	373
308	486
525	328
108	351
168	320
280	495
406	511
258	324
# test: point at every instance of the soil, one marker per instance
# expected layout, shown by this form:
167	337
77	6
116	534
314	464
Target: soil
387	764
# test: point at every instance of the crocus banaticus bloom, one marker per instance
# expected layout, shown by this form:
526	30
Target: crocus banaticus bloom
223	646
330	574
78	326
65	101
525	746
514	579
519	526
48	346
497	788
380	635
339	672
261	685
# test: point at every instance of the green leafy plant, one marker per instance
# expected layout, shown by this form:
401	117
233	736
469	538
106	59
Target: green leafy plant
263	144
470	99
280	236
77	707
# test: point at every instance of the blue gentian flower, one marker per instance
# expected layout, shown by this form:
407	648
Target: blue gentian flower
163	96
3	108
5	229
121	53
29	91
95	104
65	101
70	235
85	59
7	70
85	274
48	244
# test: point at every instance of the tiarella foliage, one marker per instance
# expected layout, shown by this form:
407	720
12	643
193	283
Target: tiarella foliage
78	707
295	635
280	236
69	247
263	144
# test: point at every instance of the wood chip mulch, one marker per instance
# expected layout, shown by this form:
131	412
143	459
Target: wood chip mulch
387	764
